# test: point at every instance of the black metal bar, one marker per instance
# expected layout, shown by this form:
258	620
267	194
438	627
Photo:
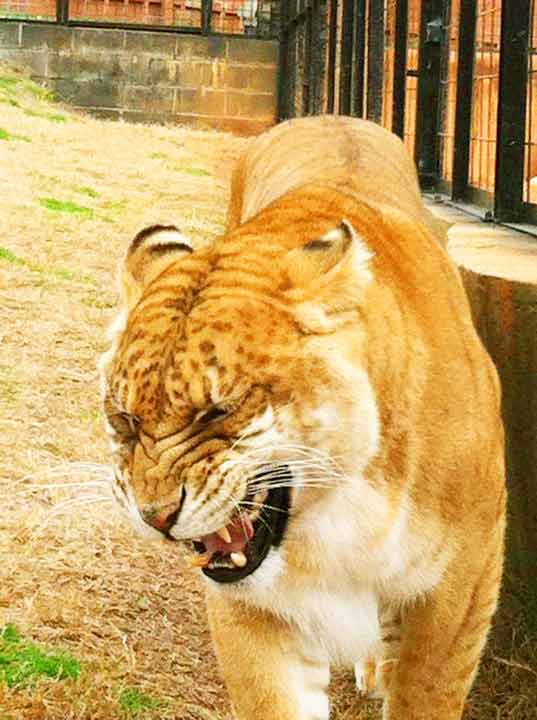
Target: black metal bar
399	68
359	59
319	59
443	97
298	19
275	19
511	134
206	16
332	41
283	110
345	81
463	114
375	60
186	30
62	12
292	57
425	154
308	79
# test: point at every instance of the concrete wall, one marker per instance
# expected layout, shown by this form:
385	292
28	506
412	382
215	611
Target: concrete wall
229	83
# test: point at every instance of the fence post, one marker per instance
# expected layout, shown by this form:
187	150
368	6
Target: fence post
319	31
62	12
511	134
430	43
206	16
359	59
332	42
399	68
375	60
345	82
463	113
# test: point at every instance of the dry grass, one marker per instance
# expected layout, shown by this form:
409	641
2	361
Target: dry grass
72	575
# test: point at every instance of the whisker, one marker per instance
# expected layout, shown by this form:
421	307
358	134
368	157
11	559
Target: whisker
260	518
263	505
63	486
79	501
68	504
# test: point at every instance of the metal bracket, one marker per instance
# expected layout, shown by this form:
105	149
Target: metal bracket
434	31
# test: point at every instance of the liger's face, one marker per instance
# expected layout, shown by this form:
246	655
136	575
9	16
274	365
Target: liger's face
225	419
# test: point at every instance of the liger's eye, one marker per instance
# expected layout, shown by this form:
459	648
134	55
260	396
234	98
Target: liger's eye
125	424
211	415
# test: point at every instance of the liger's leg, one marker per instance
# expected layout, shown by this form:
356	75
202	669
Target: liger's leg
267	673
442	639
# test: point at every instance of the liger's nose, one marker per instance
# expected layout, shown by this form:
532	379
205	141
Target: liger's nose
163	519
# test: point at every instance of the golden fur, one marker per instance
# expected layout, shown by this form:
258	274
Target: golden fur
353	359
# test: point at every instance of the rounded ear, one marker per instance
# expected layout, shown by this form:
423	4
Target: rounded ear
326	277
149	253
319	256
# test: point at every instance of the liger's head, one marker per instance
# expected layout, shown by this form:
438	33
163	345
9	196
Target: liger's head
233	396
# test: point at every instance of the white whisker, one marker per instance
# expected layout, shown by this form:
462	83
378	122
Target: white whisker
63	486
68	504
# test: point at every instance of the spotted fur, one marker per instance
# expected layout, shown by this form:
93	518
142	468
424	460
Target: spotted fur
329	330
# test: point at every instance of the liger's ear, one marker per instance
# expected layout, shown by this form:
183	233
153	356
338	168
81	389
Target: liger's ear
326	278
151	251
320	255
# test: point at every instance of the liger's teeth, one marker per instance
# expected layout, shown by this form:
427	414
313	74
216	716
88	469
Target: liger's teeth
200	561
224	534
238	559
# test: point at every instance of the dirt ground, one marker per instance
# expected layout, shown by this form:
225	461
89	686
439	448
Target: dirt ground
73	191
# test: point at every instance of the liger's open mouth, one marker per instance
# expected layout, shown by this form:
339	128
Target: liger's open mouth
239	548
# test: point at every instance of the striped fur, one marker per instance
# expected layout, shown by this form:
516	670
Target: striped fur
330	330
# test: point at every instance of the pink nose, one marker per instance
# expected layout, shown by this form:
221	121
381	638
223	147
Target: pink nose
163	519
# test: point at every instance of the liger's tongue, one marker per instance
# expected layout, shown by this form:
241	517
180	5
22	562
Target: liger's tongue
240	531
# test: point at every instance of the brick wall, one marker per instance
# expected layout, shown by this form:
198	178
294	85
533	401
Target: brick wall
229	83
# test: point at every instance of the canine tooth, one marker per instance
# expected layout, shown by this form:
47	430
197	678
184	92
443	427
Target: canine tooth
224	534
199	561
239	559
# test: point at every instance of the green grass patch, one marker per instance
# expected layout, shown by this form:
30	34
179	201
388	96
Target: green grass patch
98	302
197	172
5	135
9	82
134	702
9	101
113	209
84	190
13	84
52	117
65	206
63	274
159	156
59	273
10	257
115	205
23	662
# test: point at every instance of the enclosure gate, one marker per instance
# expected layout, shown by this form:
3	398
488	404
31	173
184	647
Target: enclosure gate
455	79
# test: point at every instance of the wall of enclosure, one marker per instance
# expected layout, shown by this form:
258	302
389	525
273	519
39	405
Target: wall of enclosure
456	80
215	81
207	63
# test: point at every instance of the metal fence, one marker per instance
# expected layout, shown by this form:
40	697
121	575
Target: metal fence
252	18
456	79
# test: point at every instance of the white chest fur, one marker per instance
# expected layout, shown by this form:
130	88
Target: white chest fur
357	566
335	622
